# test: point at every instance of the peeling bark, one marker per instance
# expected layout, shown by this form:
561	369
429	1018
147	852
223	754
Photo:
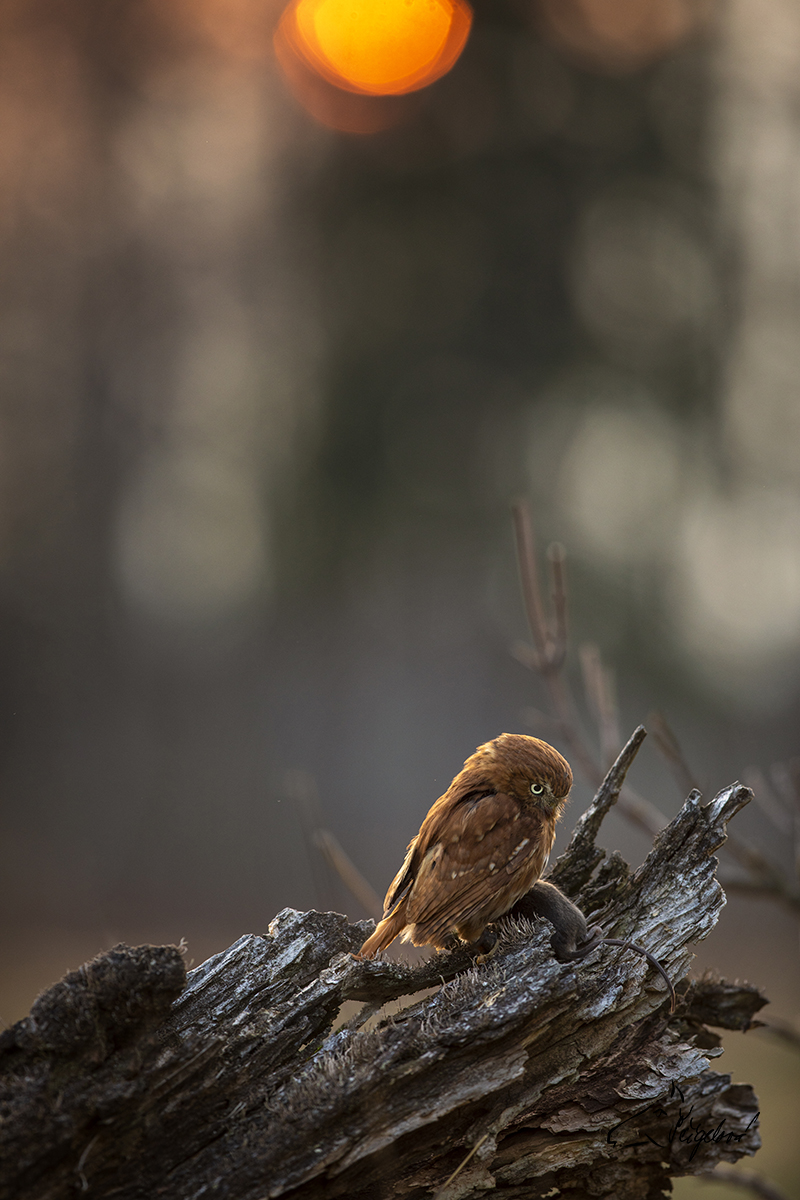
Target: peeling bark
130	1079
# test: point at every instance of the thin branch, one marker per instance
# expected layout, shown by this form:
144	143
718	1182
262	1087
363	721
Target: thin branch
529	576
327	858
641	812
786	779
574	867
598	685
767	801
782	1031
557	558
609	790
461	1165
548	660
786	782
348	872
549	668
669	747
764	890
542	723
747	1180
766	879
301	788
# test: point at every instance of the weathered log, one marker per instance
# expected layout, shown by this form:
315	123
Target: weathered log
129	1079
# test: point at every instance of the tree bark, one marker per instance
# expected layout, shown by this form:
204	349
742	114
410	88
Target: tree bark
130	1079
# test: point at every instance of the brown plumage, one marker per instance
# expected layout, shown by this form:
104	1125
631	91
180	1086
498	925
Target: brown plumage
481	847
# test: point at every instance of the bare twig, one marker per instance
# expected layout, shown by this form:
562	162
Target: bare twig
766	879
598	683
84	1183
641	812
747	1180
786	779
547	657
549	666
542	723
557	557
301	787
765	890
767	801
782	1031
462	1164
607	794
529	577
786	782
327	857
669	747
348	872
574	867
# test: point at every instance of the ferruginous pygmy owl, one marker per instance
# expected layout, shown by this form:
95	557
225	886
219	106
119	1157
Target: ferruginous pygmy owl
481	847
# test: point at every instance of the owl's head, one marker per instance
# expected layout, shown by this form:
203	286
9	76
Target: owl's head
525	767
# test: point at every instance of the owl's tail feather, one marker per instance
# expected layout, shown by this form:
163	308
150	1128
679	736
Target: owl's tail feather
385	933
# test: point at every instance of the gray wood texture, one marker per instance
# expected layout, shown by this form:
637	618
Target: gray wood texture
131	1079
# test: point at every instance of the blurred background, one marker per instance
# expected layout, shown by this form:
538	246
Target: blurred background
274	367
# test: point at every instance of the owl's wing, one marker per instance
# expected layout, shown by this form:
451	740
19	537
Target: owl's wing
403	881
448	821
480	851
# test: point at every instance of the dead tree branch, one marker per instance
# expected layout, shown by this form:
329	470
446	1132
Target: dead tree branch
547	657
520	1074
748	1181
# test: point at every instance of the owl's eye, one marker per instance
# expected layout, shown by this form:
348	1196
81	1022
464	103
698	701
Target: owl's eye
537	789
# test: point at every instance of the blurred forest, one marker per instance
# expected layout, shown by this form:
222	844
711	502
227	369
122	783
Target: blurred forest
269	389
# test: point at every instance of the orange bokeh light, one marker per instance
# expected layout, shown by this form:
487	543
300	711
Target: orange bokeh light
346	111
377	47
